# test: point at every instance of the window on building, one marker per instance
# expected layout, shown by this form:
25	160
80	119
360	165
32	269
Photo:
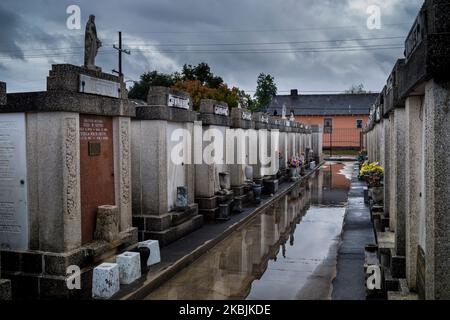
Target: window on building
327	122
359	124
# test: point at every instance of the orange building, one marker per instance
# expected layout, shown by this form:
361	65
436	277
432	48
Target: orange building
343	116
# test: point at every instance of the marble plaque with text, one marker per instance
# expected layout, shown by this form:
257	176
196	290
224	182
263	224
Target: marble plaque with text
99	87
13	182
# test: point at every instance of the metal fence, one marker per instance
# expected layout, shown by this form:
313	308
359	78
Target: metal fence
342	139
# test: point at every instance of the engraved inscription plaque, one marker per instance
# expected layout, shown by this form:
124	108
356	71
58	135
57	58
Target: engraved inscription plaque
246	116
99	86
221	110
96	170
13	183
177	102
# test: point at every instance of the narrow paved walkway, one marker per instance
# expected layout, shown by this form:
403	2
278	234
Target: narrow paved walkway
357	232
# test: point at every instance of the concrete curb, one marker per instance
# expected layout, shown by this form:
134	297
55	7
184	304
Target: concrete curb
150	285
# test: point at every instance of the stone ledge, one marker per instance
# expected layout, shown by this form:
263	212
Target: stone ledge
163	112
62	70
155	223
42	263
64	101
392	94
427	48
179	217
50	283
172	234
402	293
239	123
398	265
259	119
66	77
214	120
26	286
206	203
209	214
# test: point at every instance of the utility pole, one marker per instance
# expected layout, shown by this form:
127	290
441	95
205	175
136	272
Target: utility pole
120	50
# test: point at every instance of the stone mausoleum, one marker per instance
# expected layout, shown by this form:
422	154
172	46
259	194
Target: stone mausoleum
408	133
66	162
212	176
163	173
5	284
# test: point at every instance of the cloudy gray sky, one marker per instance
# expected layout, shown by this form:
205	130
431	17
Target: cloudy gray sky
321	45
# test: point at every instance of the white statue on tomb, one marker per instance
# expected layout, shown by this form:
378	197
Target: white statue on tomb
91	44
283	112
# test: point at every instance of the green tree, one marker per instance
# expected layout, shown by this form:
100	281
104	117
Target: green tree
201	72
265	90
140	89
198	81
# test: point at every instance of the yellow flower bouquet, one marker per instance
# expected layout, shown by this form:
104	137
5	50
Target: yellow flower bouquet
373	173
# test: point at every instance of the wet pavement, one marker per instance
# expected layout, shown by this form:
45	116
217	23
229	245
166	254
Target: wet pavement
349	283
288	251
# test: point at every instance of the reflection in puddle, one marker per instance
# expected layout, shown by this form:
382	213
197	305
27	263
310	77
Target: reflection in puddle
286	252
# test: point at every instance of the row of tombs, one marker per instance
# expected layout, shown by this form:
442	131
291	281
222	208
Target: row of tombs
408	134
86	173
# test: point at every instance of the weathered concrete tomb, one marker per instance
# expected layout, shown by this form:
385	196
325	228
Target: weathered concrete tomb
5	284
212	176
267	166
408	133
317	143
65	153
163	173
241	178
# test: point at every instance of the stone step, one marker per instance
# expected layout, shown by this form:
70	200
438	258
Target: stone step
403	293
390	283
176	232
181	216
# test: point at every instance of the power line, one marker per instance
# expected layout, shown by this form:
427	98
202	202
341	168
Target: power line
263	30
210	51
263	43
217	44
282	50
357	27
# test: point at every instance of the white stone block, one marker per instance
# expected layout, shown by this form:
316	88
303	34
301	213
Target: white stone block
105	281
129	267
153	246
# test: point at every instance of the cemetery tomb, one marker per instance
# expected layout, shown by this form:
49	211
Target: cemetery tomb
65	152
242	144
212	177
163	169
5	213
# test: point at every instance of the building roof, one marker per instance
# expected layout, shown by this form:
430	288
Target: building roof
323	104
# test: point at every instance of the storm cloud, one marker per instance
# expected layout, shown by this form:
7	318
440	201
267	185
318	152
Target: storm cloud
309	45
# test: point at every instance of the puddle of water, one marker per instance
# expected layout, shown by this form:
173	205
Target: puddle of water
286	252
